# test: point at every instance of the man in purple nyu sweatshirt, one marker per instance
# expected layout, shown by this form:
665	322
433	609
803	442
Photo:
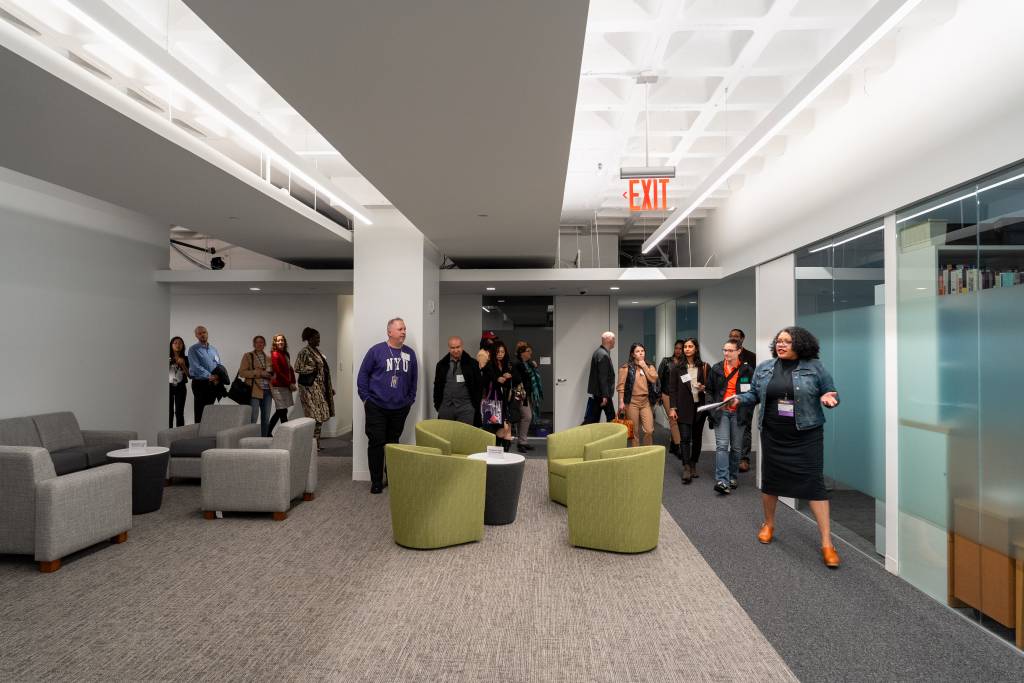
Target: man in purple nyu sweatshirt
387	388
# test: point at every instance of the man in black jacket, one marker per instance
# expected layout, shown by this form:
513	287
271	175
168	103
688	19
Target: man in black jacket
750	358
457	386
601	385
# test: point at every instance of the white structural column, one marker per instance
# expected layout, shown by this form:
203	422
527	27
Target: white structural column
395	276
665	329
892	424
775	285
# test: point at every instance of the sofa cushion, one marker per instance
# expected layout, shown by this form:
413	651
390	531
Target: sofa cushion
192	448
69	460
97	455
562	465
19	431
59	431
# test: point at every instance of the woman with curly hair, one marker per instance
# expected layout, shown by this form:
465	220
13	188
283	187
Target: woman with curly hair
791	388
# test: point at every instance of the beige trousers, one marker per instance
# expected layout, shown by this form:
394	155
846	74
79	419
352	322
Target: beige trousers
639	411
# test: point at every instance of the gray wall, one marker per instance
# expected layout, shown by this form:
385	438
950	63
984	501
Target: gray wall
234	319
84	323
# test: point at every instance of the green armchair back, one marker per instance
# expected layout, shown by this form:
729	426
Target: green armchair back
436	500
576	445
614	500
453	438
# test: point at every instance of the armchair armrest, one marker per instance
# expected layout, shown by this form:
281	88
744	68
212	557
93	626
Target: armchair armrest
166	436
425	438
594	449
246	480
230	438
95	437
79	509
564	444
255	442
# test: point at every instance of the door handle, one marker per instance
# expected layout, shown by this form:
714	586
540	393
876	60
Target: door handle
560	380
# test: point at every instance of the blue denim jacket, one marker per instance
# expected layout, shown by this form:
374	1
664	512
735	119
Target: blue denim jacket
810	381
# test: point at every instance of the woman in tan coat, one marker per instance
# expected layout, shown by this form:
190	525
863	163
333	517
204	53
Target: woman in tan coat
255	369
638	392
315	388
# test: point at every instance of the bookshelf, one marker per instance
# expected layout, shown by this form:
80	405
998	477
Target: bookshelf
965	269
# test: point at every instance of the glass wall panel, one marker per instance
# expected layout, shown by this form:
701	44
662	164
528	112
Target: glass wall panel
840	299
961	328
686	316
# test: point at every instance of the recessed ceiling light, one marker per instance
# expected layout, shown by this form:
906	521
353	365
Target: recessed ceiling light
482	215
614	289
501	301
922	289
254	289
490	289
635	302
693	302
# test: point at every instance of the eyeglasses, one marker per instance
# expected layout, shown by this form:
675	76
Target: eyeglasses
779	342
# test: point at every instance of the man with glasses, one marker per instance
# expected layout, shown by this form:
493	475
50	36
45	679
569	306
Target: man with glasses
728	378
750	358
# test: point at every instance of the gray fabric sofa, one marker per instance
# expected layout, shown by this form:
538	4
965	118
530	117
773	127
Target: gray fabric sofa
70	448
222	426
264	479
50	516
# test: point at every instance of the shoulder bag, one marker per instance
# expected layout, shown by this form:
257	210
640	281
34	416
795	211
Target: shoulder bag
241	391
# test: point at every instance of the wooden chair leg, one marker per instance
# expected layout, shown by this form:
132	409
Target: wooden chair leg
209	514
280	516
49	566
120	538
308	495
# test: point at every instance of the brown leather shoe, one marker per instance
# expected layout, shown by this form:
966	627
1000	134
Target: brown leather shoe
830	557
766	533
745	465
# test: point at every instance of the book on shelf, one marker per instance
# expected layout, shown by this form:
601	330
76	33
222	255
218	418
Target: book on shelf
963	279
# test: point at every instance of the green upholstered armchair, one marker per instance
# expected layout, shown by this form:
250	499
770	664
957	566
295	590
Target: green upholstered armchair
586	442
453	438
615	500
436	500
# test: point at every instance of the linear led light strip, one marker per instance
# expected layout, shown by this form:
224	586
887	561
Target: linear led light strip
848	239
960	198
903	7
169	80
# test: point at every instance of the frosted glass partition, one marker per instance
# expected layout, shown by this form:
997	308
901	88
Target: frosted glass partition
961	333
686	316
839	299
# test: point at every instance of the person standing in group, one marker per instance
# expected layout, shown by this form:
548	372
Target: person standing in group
686	394
457	385
525	383
387	387
728	378
638	393
255	370
601	382
496	382
315	389
666	368
203	359
487	341
750	358
178	379
282	384
792	387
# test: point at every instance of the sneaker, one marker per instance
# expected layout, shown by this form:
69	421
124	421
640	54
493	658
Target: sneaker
722	487
522	449
526	446
733	483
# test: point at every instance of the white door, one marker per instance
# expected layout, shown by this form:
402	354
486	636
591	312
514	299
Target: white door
579	323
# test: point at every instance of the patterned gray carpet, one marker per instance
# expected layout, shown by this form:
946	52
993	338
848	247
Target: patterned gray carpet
326	594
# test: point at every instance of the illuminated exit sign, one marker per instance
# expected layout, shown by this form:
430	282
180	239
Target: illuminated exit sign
647	194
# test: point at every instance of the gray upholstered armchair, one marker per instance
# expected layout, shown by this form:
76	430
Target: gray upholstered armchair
222	426
259	479
50	517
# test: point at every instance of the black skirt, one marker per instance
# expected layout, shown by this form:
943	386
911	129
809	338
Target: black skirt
792	460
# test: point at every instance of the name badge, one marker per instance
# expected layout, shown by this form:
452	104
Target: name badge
744	388
684	378
460	379
785	408
405	356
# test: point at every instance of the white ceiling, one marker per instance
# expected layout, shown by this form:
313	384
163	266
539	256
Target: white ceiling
451	109
722	65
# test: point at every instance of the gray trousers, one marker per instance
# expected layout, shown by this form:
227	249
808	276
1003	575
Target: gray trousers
458	413
525	418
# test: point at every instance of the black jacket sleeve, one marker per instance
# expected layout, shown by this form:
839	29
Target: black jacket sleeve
439	378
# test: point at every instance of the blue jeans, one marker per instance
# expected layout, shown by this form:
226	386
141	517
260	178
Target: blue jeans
261	409
728	444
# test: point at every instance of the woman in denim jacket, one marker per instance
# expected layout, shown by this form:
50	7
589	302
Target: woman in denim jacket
792	387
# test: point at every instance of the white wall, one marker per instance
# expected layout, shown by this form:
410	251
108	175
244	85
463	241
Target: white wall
460	315
775	283
599	252
84	322
904	134
343	401
630	329
234	319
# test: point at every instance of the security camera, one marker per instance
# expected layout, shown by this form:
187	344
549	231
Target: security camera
583	292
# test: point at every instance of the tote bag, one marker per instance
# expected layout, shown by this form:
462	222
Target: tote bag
490	408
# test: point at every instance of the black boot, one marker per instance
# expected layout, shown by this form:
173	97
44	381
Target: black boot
687	474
